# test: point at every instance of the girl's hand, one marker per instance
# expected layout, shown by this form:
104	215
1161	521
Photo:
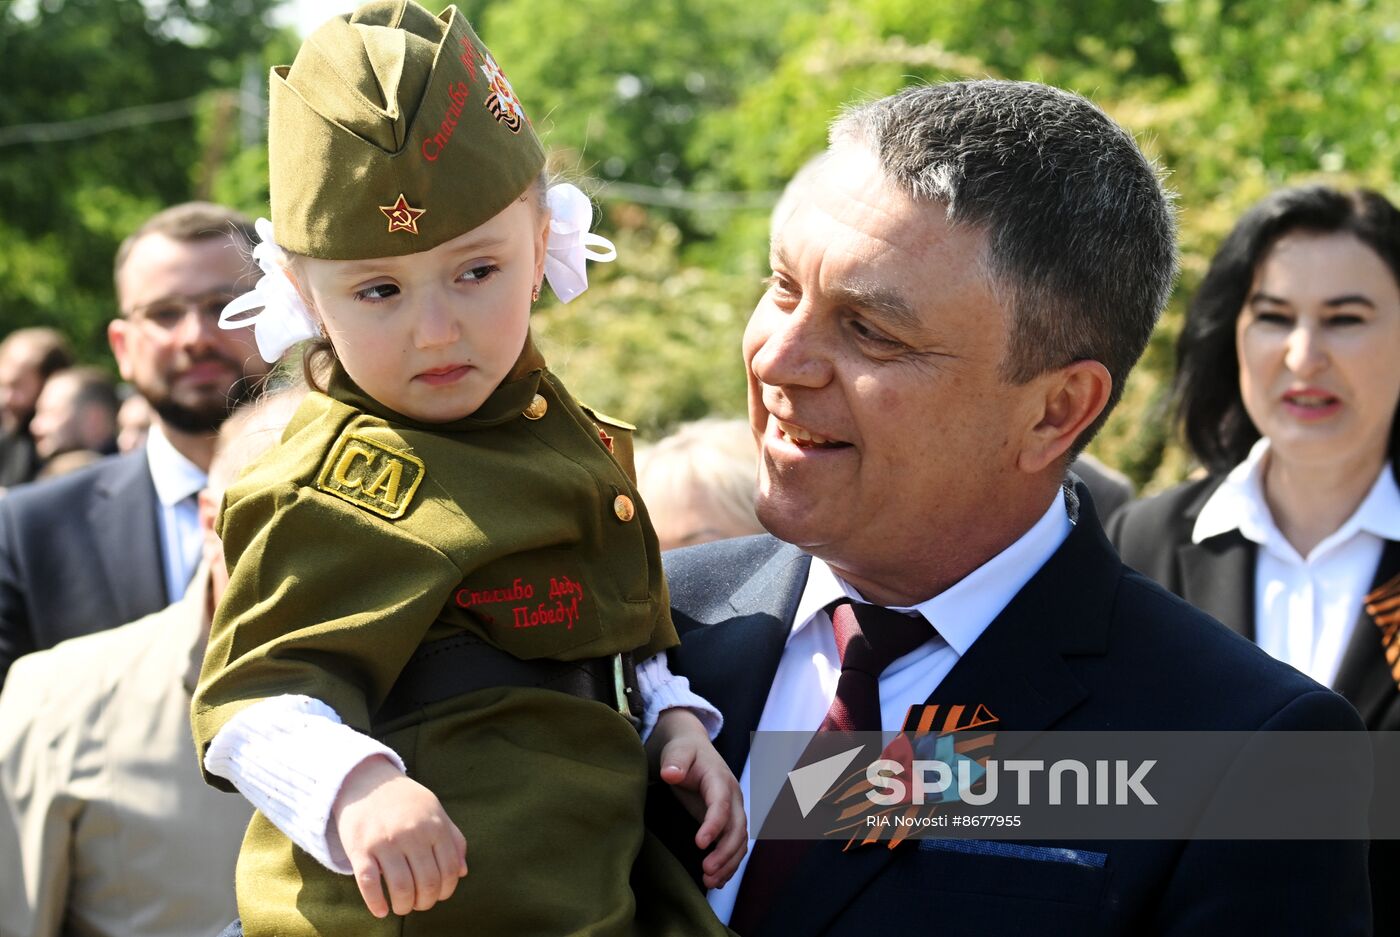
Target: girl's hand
706	787
394	831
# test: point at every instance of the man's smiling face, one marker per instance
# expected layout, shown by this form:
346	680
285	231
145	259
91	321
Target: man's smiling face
874	375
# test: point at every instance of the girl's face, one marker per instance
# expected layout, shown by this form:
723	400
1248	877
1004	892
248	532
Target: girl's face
432	334
1318	340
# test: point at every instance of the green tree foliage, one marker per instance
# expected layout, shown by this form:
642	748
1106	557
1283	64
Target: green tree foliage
619	86
654	341
71	191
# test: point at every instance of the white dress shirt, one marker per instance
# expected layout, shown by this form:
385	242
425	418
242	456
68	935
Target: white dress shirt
1305	607
805	682
177	481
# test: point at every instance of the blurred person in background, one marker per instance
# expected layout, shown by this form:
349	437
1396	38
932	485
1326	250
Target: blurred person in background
106	828
68	462
1287	383
133	422
120	539
76	411
27	358
699	482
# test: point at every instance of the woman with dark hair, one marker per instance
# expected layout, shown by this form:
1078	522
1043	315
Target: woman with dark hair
1287	383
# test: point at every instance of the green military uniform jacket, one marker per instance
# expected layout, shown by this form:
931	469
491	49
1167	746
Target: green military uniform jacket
364	535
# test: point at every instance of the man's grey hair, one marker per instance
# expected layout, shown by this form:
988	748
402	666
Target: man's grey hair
1081	235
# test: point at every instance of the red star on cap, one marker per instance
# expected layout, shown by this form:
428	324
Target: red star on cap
402	216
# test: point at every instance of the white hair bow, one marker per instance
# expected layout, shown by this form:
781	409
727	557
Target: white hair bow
571	215
284	319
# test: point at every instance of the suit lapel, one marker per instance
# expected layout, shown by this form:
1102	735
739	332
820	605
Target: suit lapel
739	655
126	534
1363	676
1016	669
1217	575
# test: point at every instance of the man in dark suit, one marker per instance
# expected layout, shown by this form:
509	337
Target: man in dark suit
957	297
120	539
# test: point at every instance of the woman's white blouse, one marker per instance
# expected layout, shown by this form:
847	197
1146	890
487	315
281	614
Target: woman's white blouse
1305	607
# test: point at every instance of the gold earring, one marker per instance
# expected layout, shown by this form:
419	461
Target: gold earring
535	294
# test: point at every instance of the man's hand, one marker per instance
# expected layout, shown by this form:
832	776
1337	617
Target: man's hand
703	783
395	830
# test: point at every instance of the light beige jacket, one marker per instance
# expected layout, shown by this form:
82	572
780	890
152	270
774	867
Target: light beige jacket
106	827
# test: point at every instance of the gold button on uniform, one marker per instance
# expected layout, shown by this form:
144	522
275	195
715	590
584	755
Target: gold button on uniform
622	507
537	408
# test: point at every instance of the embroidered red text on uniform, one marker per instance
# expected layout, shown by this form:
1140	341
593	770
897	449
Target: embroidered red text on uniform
466	598
468	59
561	613
433	145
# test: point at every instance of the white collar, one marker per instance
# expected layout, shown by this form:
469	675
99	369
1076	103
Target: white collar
963	611
175	477
1239	504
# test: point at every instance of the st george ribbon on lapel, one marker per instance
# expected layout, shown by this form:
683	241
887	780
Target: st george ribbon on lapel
1383	605
868	639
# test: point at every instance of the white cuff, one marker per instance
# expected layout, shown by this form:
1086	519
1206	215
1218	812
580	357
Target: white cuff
662	690
289	756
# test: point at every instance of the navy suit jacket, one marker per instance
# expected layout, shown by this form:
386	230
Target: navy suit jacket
78	554
1086	645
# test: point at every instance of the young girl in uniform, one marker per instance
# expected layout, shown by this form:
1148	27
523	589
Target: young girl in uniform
441	577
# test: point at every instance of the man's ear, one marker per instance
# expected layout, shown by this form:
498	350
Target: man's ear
1073	398
98	424
208	511
118	331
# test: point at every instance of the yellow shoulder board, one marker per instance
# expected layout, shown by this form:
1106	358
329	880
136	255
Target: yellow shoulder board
616	436
600	417
371	475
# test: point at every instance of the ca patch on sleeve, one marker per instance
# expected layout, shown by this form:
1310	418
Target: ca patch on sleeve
369	474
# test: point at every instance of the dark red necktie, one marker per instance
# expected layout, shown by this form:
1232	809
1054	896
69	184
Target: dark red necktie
868	639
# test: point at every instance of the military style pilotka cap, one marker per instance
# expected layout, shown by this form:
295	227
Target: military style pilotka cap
393	131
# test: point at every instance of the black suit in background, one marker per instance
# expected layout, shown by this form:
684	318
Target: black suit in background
1085	645
1217	576
1110	489
78	554
18	461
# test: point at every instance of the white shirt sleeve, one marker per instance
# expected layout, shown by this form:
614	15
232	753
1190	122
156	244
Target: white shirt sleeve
290	756
662	690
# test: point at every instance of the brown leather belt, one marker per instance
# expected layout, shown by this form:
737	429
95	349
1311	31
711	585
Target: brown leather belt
465	663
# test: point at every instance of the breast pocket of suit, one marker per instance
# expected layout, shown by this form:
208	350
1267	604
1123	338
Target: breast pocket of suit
1009	888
